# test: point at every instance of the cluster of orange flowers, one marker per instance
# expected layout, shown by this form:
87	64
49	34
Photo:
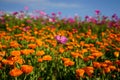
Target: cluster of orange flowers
41	43
24	69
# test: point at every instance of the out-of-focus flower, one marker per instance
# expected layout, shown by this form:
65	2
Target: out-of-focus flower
42	13
115	17
26	8
15	13
26	28
69	63
40	53
80	72
15	53
59	13
116	54
47	58
71	20
61	39
53	14
27	69
15	72
97	12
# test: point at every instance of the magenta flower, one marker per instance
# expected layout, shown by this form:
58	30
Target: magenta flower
26	28
26	8
97	12
15	13
42	13
61	39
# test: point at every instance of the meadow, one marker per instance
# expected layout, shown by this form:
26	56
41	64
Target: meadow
46	47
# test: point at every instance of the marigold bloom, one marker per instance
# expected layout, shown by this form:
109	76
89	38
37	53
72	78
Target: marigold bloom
15	53
107	70
104	65
117	62
40	59
1	58
47	58
84	50
61	50
27	69
69	63
65	59
112	67
89	70
14	44
96	64
32	46
39	42
74	54
27	51
80	72
108	62
116	54
97	54
40	53
69	47
15	72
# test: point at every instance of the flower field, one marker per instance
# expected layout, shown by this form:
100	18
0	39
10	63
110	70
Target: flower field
46	47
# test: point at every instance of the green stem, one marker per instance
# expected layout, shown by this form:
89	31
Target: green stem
15	78
25	77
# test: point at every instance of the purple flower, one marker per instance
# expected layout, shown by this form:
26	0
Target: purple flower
61	39
15	13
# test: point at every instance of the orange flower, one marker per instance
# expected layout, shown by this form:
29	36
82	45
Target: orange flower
39	42
81	56
80	72
116	54
40	53
89	70
15	72
1	66
91	57
69	47
15	53
104	65
86	59
40	59
117	62
61	50
107	70
74	54
32	46
84	50
9	62
26	69
27	51
1	58
96	64
108	62
97	54
82	43
112	68
47	58
65	59
14	44
69	63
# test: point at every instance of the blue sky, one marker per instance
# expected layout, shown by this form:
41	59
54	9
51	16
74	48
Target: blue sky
67	7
